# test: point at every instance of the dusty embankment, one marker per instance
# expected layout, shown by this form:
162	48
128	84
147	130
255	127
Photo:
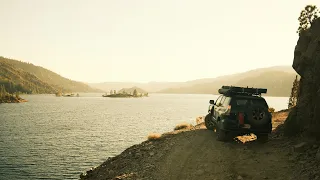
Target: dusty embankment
194	153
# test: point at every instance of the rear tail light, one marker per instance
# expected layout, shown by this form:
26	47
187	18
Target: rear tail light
241	118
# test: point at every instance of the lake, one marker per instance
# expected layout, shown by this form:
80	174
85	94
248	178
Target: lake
59	137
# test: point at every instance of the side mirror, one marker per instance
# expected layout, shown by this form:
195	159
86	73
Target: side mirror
211	101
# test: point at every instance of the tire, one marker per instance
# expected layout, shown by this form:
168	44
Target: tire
258	115
221	135
208	122
263	138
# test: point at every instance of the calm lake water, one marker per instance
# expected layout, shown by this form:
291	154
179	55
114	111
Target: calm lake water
59	137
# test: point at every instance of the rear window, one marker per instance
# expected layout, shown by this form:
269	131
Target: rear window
241	102
248	102
259	101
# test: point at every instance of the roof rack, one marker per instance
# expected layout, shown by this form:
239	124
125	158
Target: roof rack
231	90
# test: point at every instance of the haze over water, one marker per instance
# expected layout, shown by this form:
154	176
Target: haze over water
167	40
58	138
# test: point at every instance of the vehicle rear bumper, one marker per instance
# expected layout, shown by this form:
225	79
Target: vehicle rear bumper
232	125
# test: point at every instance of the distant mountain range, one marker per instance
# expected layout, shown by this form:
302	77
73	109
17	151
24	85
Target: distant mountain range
130	90
277	79
149	87
28	78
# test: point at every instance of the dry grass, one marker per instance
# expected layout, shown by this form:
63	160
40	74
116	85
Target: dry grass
278	120
246	138
183	126
154	136
271	109
279	116
199	120
127	176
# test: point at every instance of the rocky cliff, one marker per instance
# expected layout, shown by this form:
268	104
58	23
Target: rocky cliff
307	64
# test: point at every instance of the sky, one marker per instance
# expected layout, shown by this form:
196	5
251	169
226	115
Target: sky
150	40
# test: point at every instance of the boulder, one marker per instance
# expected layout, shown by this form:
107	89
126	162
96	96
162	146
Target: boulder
301	147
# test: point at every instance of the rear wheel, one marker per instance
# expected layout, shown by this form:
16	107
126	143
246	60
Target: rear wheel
263	138
208	122
221	134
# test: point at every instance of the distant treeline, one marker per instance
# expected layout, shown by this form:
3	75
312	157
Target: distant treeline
12	88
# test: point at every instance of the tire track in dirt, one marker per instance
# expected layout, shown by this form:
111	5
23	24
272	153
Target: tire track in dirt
198	155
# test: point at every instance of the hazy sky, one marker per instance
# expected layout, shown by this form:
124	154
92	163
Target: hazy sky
149	40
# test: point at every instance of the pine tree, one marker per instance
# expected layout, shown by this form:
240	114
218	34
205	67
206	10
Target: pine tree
307	16
135	93
3	91
294	93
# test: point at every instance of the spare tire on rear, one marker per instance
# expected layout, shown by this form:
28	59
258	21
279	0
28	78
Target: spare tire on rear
257	115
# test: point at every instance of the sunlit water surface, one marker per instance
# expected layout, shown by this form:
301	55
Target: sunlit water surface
59	137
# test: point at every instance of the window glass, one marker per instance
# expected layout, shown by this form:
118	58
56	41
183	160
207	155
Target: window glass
241	102
218	100
221	102
259	102
226	102
249	102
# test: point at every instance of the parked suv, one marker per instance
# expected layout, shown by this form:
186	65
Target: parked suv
239	111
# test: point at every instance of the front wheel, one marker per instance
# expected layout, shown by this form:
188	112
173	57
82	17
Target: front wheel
208	122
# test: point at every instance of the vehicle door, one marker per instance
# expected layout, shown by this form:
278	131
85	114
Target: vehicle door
212	108
225	105
218	106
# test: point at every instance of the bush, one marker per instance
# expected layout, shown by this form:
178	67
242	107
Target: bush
271	109
182	126
154	136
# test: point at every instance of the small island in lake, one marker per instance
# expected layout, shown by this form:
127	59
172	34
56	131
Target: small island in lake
133	92
59	94
6	97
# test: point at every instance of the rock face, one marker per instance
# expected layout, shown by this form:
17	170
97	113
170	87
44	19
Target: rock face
318	155
307	64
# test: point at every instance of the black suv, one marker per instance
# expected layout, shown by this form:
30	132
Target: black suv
239	111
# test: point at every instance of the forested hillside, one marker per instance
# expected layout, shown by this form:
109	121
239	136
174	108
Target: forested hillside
28	78
17	80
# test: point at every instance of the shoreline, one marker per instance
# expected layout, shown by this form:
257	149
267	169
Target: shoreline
123	96
12	99
143	148
193	145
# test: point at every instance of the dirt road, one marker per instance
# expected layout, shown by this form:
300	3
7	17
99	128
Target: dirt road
198	155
